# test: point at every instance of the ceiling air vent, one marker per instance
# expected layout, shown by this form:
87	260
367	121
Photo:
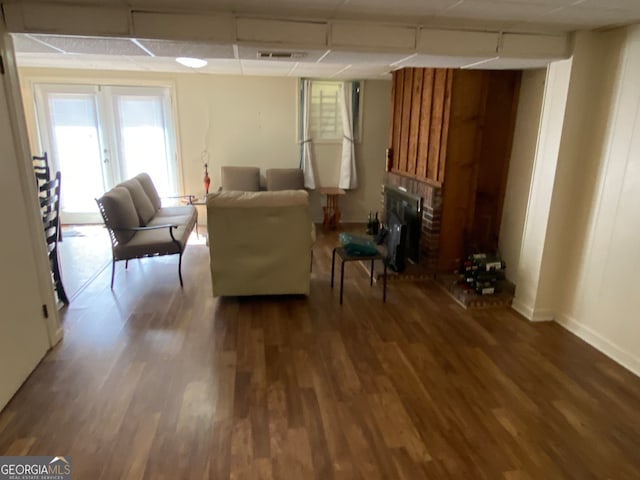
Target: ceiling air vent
281	55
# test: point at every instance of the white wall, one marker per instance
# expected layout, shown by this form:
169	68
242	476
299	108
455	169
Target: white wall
579	258
600	301
520	168
370	154
251	121
528	300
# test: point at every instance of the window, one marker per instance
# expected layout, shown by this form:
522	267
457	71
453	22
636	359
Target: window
325	116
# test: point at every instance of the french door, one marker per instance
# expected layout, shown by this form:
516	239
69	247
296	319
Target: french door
98	136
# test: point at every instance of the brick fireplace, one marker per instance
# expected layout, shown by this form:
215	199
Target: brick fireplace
431	195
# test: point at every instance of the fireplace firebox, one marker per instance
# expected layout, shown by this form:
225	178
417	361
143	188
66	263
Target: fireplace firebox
402	207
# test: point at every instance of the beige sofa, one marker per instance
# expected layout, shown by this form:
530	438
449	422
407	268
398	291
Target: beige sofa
139	226
260	242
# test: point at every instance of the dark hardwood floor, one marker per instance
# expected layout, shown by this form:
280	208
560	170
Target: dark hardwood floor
156	382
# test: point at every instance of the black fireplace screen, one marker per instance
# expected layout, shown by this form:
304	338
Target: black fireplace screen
405	208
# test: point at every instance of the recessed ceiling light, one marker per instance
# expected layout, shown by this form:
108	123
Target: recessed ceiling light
191	62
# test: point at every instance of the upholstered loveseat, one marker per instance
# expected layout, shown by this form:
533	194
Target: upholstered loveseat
139	226
260	242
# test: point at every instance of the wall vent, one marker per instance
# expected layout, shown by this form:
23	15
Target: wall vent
281	55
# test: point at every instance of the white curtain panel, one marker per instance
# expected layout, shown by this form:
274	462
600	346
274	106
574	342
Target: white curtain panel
348	174
306	160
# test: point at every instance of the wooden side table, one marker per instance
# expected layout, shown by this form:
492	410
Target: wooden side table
345	257
332	209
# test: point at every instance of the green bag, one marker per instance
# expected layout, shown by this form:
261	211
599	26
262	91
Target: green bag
357	245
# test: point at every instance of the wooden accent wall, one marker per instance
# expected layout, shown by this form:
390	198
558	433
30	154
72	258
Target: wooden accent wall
420	117
454	128
483	112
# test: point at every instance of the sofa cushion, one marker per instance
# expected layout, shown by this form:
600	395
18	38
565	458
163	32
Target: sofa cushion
242	179
173	211
285	179
141	201
154	242
120	212
173	220
150	189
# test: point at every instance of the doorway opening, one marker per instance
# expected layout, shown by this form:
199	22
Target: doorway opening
98	136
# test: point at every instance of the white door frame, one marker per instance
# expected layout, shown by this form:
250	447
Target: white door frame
44	125
105	96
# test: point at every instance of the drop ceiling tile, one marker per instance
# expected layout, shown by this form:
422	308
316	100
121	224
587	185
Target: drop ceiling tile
591	17
467	23
551	3
222	66
351	58
261	67
402	10
92	45
497	11
360	73
23	43
201	5
167	48
246	52
606	4
540	27
434	61
315	70
288	8
510	64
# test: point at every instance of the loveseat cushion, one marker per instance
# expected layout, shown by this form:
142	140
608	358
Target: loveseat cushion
285	179
241	179
141	201
120	212
149	189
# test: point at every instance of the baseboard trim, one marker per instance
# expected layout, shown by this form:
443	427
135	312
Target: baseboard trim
593	338
531	314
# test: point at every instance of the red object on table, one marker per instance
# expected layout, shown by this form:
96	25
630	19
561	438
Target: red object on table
207	180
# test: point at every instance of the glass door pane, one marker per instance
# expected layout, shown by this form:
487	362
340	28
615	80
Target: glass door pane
144	135
71	134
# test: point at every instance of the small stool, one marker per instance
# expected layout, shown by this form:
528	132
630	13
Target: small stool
332	209
345	257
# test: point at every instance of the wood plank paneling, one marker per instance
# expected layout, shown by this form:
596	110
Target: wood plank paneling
392	112
437	118
425	122
398	81
444	137
406	120
462	149
493	159
414	128
454	128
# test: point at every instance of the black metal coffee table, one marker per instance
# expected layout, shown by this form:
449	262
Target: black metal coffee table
345	257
